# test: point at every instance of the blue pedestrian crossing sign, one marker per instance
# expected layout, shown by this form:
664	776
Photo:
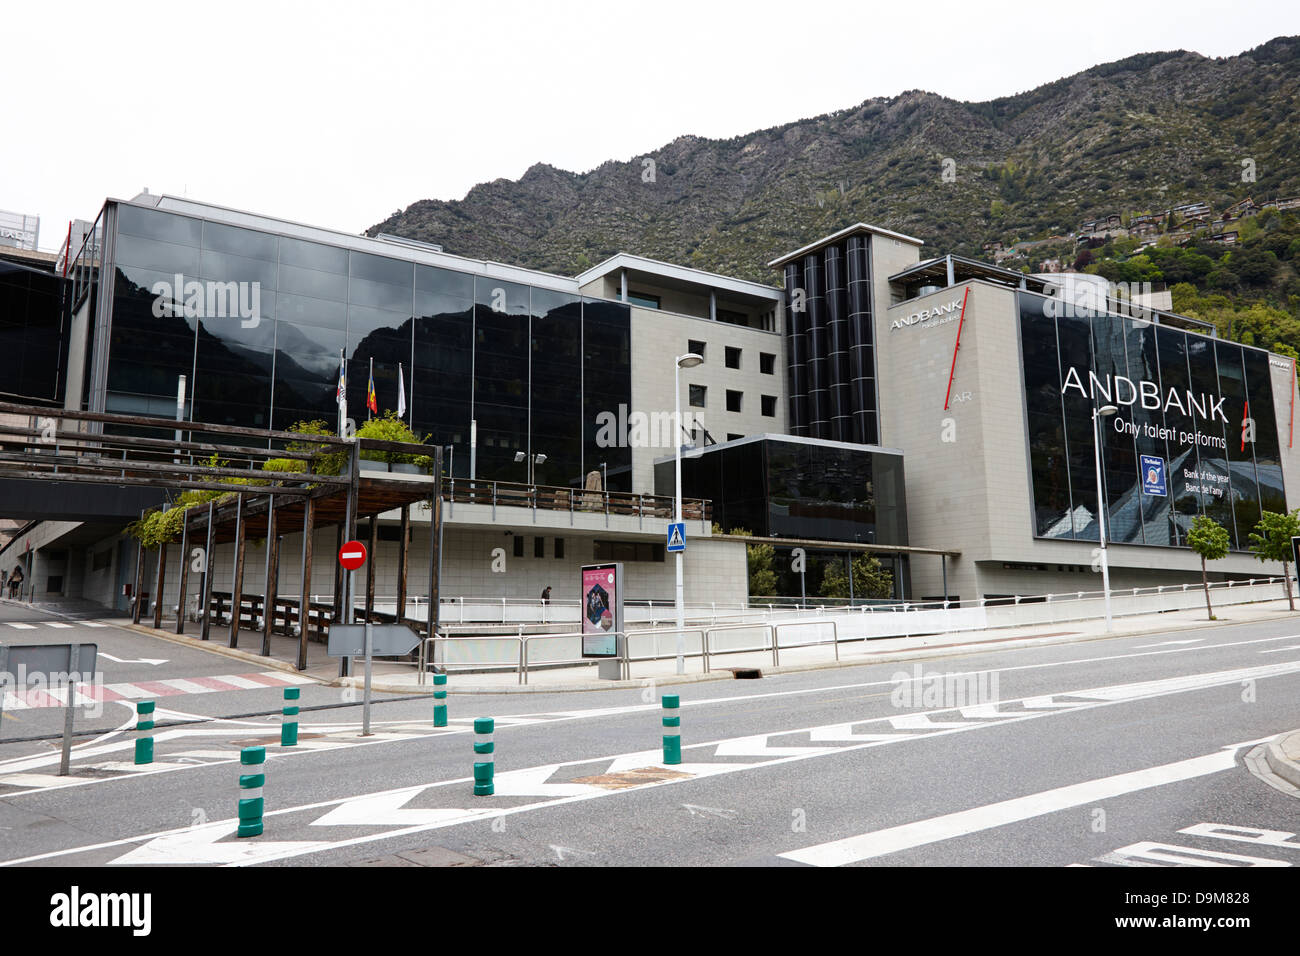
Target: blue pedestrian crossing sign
676	537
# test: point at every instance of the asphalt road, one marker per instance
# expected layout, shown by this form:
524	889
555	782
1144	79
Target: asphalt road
1123	751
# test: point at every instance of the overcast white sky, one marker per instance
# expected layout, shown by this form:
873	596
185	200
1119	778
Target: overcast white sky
336	114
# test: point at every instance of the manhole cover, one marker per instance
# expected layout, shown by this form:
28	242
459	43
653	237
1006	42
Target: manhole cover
633	778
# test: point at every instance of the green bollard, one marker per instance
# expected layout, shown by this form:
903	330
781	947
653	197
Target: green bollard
144	732
672	729
440	700
485	748
289	728
252	777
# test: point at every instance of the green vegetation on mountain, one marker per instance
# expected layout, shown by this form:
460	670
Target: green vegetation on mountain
1140	135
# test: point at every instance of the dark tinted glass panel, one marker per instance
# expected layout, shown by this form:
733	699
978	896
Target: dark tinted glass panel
305	311
606	385
158	256
429	279
556	349
33	333
1046	427
380	269
1181	406
313	255
234	241
501	354
1268	464
151	224
311	282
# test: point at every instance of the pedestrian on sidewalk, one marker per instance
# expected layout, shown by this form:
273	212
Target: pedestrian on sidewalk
15	580
546	595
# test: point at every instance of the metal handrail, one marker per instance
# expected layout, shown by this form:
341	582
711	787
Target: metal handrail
557	498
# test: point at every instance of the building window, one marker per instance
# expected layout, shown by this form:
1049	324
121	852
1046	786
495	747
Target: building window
559	547
628	551
769	406
539	547
733	357
519	546
734	400
696	346
767	363
698	394
732	318
643	299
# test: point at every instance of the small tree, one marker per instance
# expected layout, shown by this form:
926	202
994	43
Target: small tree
1273	542
1209	539
871	579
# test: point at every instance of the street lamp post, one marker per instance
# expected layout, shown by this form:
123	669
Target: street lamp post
1097	414
537	459
689	360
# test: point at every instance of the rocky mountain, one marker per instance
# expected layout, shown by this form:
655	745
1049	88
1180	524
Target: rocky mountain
1133	136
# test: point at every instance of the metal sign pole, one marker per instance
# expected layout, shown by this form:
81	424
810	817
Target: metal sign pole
365	709
69	710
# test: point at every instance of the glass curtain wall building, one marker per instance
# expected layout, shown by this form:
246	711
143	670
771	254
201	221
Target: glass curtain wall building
257	321
1183	399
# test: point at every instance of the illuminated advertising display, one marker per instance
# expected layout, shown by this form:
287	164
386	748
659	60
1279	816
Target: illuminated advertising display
602	609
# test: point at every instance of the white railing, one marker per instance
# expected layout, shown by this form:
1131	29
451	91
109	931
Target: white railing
770	631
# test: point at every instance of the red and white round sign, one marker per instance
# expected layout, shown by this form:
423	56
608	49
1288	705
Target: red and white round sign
352	555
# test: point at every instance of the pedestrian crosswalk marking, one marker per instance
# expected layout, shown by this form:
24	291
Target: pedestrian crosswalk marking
89	693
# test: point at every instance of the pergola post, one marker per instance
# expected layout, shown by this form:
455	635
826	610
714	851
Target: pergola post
271	580
139	580
158	590
402	552
337	614
207	572
237	585
185	574
304	605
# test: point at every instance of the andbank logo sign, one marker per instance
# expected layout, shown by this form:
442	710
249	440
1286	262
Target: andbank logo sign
208	300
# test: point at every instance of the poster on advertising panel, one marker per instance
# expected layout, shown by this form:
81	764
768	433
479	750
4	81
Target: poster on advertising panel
602	609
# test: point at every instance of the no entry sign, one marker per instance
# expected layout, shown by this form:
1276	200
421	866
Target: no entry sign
352	555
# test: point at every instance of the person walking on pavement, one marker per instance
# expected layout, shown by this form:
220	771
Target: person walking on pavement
15	580
546	595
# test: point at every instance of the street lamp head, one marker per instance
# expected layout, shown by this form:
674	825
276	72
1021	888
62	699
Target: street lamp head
689	360
1107	410
520	456
539	459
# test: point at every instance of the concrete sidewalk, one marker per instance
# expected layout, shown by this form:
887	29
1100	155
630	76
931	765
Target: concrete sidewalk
402	678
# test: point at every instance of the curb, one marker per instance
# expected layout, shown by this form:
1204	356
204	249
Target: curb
1275	755
270	663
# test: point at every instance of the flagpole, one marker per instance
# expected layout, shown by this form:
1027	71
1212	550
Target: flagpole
369	385
341	398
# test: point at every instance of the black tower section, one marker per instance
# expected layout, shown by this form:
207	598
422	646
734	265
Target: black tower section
796	336
818	348
861	337
837	340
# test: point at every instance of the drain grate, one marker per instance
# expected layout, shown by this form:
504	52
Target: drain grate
745	673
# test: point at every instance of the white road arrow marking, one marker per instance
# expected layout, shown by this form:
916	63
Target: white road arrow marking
1191	640
532	783
717	812
845	732
121	660
386	809
923	722
562	851
868	846
758	747
199	845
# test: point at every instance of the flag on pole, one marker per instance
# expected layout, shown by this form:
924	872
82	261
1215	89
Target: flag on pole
341	395
401	392
372	403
